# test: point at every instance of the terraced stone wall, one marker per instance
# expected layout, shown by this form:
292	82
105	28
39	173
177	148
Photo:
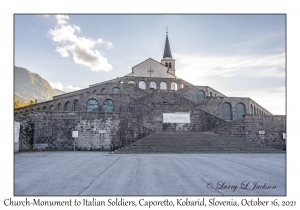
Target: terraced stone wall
213	105
262	129
53	130
200	120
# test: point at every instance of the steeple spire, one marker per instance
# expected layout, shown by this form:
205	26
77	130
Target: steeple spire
167	51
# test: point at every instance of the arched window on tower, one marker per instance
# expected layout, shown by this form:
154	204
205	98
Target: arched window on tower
170	65
166	64
76	105
108	106
200	96
142	85
116	90
103	91
240	110
92	105
67	106
163	86
226	111
173	86
51	108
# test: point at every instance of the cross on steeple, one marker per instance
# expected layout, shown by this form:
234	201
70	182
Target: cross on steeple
150	71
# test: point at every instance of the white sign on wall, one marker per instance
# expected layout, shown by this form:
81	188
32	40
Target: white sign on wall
176	118
17	131
74	134
261	132
102	131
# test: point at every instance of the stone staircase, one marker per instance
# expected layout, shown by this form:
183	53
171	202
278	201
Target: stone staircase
193	142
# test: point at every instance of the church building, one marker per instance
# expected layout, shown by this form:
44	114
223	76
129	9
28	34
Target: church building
149	100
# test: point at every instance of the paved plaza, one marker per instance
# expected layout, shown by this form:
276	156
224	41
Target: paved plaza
102	173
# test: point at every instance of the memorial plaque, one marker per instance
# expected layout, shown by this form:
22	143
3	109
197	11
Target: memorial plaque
176	118
102	131
283	136
261	132
74	134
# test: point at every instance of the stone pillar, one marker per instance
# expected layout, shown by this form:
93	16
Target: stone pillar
16	139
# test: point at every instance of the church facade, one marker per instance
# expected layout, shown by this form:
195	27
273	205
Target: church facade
115	113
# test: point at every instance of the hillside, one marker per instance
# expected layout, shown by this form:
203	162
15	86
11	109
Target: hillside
30	86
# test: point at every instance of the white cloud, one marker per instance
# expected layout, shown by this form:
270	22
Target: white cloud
59	86
61	19
62	51
56	85
109	45
81	48
70	88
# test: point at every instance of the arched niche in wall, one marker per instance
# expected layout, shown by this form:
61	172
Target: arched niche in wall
67	106
142	85
76	105
226	111
58	107
240	110
108	106
163	86
152	85
131	83
92	105
200	96
116	90
103	91
173	86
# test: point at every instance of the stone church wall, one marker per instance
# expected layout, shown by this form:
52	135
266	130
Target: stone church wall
251	126
165	96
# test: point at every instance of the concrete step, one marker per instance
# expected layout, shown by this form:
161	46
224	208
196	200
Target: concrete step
193	142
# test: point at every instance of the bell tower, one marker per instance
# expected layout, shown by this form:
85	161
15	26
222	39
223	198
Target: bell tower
167	57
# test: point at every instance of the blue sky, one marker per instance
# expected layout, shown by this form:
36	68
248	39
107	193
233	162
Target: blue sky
238	55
